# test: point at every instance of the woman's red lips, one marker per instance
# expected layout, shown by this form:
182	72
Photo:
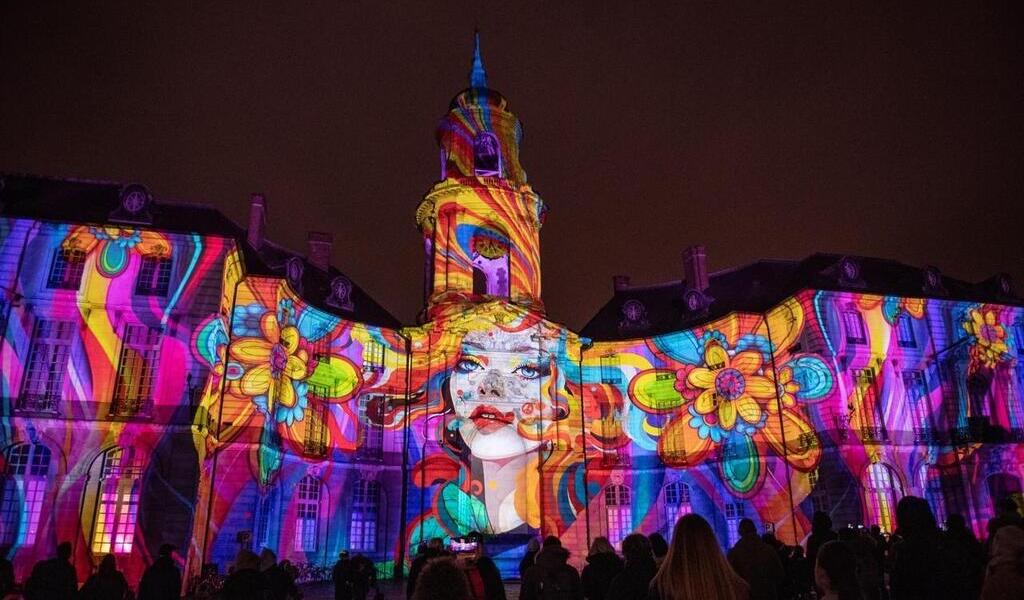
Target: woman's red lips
488	418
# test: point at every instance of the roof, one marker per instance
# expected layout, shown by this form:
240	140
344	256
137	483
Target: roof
99	202
758	286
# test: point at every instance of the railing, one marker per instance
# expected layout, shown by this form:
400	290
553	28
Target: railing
39	404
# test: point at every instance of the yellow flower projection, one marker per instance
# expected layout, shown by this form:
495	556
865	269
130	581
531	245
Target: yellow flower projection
988	336
730	387
272	363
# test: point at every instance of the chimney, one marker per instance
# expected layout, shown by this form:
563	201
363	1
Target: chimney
257	221
620	282
319	253
695	269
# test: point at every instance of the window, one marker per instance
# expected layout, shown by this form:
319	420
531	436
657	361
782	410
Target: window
362	534
118	504
47	366
882	490
307	514
931	482
812	478
916	394
853	323
820	501
734	512
486	156
265	524
677	503
136	371
24	489
373	357
871	427
610	371
620	513
371	413
905	332
1015	400
315	439
154	276
66	269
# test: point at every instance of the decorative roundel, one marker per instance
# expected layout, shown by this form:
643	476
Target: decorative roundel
850	269
694	300
294	270
341	287
1005	284
134	198
633	310
932	277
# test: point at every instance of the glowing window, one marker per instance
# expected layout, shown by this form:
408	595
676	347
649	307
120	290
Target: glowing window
866	391
734	512
307	512
362	532
266	513
931	482
617	500
905	332
24	489
1015	400
916	394
118	504
371	413
373	357
47	366
677	503
154	276
66	269
610	371
486	156
315	438
136	371
882	490
853	323
812	478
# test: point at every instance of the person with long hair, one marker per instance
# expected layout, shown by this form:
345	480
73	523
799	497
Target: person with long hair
695	568
835	572
603	564
634	581
442	579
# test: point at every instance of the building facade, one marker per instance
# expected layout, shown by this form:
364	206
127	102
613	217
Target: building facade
171	377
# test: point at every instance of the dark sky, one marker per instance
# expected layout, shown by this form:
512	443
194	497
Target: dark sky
762	132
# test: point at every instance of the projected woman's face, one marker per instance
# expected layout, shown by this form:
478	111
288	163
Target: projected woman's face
496	392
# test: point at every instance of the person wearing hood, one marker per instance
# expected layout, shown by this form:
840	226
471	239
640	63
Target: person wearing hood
532	548
280	581
162	579
1005	575
246	582
551	576
634	581
603	564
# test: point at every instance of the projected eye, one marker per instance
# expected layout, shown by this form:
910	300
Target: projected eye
468	365
527	371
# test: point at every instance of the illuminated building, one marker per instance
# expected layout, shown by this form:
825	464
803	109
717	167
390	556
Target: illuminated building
169	376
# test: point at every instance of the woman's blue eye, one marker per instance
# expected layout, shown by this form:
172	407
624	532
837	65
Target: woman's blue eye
528	371
467	366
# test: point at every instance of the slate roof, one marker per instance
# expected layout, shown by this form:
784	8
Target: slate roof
94	202
758	286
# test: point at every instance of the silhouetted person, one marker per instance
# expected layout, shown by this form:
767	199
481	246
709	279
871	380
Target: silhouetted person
967	559
341	575
869	574
695	568
1007	513
658	546
107	583
1004	577
836	572
162	579
821	532
757	563
532	548
433	549
799	572
245	582
6	573
481	572
442	579
603	564
551	577
635	579
920	568
280	581
364	577
53	579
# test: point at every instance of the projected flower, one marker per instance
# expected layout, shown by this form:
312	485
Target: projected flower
893	306
988	337
273	364
725	399
114	245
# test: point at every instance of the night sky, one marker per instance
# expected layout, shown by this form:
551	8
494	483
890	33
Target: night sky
761	132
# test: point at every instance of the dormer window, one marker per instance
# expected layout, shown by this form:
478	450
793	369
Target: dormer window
486	156
66	269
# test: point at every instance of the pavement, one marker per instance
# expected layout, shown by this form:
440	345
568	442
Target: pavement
392	591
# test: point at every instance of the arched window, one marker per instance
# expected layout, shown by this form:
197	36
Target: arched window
882	490
24	488
486	155
266	519
307	512
117	504
362	533
677	503
618	501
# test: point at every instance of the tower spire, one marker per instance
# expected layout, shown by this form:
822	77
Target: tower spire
477	76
